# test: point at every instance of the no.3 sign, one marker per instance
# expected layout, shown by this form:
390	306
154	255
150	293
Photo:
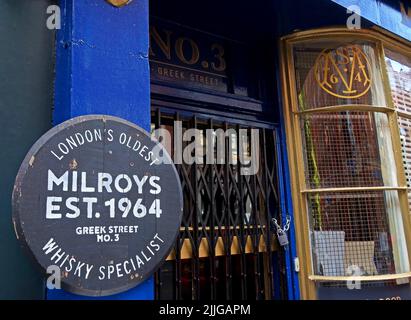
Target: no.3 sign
93	198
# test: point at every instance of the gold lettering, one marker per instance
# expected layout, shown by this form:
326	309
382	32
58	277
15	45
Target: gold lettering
164	45
358	77
210	81
195	56
342	52
171	73
343	66
220	56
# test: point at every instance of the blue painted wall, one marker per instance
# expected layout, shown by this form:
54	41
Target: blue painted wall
102	61
102	68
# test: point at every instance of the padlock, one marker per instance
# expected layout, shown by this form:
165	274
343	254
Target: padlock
282	237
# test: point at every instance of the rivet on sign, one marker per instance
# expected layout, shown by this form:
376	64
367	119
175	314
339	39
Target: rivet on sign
119	3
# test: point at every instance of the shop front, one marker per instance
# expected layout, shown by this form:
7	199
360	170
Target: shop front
289	131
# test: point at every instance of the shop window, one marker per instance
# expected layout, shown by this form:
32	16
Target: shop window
343	113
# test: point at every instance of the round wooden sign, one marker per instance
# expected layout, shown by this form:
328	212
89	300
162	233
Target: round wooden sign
100	199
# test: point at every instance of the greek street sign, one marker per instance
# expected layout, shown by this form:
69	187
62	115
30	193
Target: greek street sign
93	198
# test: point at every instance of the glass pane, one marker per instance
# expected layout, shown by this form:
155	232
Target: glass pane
348	149
330	74
399	72
357	233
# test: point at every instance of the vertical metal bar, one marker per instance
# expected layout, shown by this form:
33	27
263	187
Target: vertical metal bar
227	231
178	288
240	217
255	234
266	170
195	247
259	233
213	233
277	257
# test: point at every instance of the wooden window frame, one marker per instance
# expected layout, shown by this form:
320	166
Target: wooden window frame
381	39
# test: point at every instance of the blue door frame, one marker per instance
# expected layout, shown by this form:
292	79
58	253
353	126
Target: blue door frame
293	289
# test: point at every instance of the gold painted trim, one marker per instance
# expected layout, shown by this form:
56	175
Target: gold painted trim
186	251
381	277
403	114
350	189
307	288
374	35
347	107
397	150
392	41
224	228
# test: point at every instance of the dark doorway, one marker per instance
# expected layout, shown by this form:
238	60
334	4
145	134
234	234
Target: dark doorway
212	68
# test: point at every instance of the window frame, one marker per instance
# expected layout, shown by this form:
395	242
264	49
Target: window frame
291	116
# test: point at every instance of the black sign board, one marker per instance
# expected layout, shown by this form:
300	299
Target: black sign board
187	58
97	197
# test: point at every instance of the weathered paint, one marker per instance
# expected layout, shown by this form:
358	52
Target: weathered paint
102	68
102	61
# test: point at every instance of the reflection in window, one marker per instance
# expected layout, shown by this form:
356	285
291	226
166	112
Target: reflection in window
399	72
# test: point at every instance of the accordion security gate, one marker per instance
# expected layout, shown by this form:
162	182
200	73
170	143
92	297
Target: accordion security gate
225	249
